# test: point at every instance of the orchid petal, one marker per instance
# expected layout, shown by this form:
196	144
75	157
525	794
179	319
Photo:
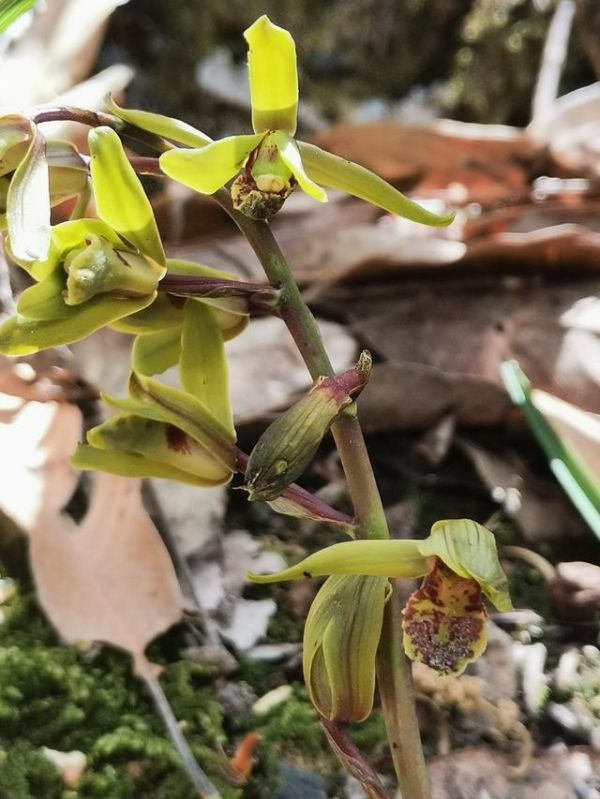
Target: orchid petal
273	76
160	442
120	199
290	155
469	550
169	128
371	558
87	458
203	367
337	173
208	169
154	353
28	203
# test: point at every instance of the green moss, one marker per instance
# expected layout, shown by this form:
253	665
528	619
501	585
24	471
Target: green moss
528	589
56	696
294	729
26	774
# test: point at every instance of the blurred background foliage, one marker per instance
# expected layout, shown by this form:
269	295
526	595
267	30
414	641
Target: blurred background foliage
360	60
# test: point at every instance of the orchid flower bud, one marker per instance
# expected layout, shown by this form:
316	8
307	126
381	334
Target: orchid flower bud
287	446
341	637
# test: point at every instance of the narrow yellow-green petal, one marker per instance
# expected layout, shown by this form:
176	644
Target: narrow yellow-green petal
158	316
469	550
290	155
169	128
28	204
203	366
159	442
22	335
182	410
120	199
88	458
208	169
154	353
273	76
370	558
337	173
341	637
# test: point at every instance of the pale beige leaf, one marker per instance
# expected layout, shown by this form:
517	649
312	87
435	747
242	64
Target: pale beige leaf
110	579
578	430
35	475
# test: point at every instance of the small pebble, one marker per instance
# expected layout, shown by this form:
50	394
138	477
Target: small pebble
298	783
70	765
8	588
271	699
237	698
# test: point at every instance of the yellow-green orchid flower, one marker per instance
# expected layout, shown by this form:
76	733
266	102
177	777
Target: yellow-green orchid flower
444	620
271	161
165	432
97	270
35	175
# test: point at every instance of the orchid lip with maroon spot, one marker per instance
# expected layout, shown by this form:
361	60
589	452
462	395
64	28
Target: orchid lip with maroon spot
444	622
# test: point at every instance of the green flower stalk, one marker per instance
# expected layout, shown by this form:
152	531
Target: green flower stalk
270	163
444	621
97	271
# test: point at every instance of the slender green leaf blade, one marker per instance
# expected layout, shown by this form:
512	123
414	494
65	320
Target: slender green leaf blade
337	173
11	10
578	484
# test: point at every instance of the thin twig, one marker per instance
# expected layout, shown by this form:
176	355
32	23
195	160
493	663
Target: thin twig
553	59
204	787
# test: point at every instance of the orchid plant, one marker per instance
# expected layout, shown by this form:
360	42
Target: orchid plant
111	270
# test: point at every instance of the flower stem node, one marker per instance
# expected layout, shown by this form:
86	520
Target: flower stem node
287	446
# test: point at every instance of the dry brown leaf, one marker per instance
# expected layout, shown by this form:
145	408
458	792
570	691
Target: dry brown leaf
578	430
409	395
488	160
557	247
468	329
35	475
109	579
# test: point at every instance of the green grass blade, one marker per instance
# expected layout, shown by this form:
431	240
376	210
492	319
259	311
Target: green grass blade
11	10
581	487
